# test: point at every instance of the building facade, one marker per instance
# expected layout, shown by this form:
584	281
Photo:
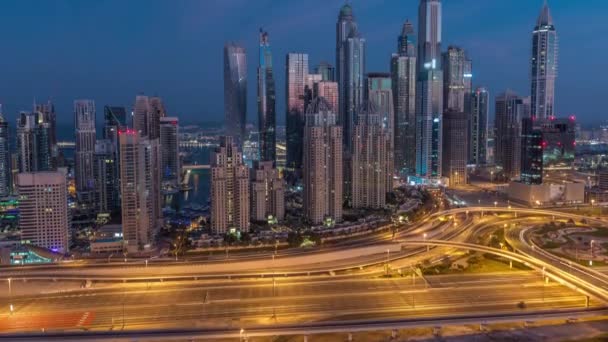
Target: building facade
267	193
323	164
34	151
107	182
370	160
296	84
354	92
229	189
510	110
379	92
455	147
531	153
403	75
544	65
43	206
327	71
47	112
429	91
170	165
478	127
345	26
84	121
235	91
457	77
5	158
156	112
139	200
266	102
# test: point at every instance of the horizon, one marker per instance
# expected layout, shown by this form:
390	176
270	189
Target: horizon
70	57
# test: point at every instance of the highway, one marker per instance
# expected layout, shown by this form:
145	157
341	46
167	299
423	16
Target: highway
256	292
284	301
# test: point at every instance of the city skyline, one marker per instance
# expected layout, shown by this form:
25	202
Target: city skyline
497	39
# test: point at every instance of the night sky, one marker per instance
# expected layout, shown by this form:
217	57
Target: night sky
112	50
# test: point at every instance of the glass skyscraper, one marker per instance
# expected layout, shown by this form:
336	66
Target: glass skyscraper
84	121
33	143
543	65
297	74
5	157
403	75
266	102
235	91
429	91
478	126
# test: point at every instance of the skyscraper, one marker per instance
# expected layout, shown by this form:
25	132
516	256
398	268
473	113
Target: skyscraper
170	167
43	205
531	153
84	121
266	102
327	71
323	164
235	91
229	188
139	217
429	91
47	111
33	147
329	91
379	92
355	83
115	118
429	35
296	84
107	184
5	157
156	112
141	113
457	77
455	147
544	65
510	110
478	121
345	26
267	193
403	76
370	165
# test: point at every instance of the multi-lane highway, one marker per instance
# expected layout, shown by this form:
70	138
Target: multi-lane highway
286	301
257	292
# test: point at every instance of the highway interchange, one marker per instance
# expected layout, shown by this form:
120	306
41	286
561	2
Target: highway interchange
331	290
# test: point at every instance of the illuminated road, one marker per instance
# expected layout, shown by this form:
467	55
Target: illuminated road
273	299
208	305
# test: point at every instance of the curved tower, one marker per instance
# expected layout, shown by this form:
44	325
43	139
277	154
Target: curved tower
235	91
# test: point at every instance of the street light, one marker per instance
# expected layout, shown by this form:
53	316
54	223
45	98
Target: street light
495	204
10	295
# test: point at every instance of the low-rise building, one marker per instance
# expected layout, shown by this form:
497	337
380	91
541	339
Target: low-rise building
547	194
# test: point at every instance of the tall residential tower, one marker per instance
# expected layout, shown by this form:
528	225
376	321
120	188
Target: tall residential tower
84	121
297	75
235	91
429	91
544	65
266	102
403	74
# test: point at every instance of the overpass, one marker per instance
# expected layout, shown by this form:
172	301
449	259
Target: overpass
575	280
196	167
516	211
